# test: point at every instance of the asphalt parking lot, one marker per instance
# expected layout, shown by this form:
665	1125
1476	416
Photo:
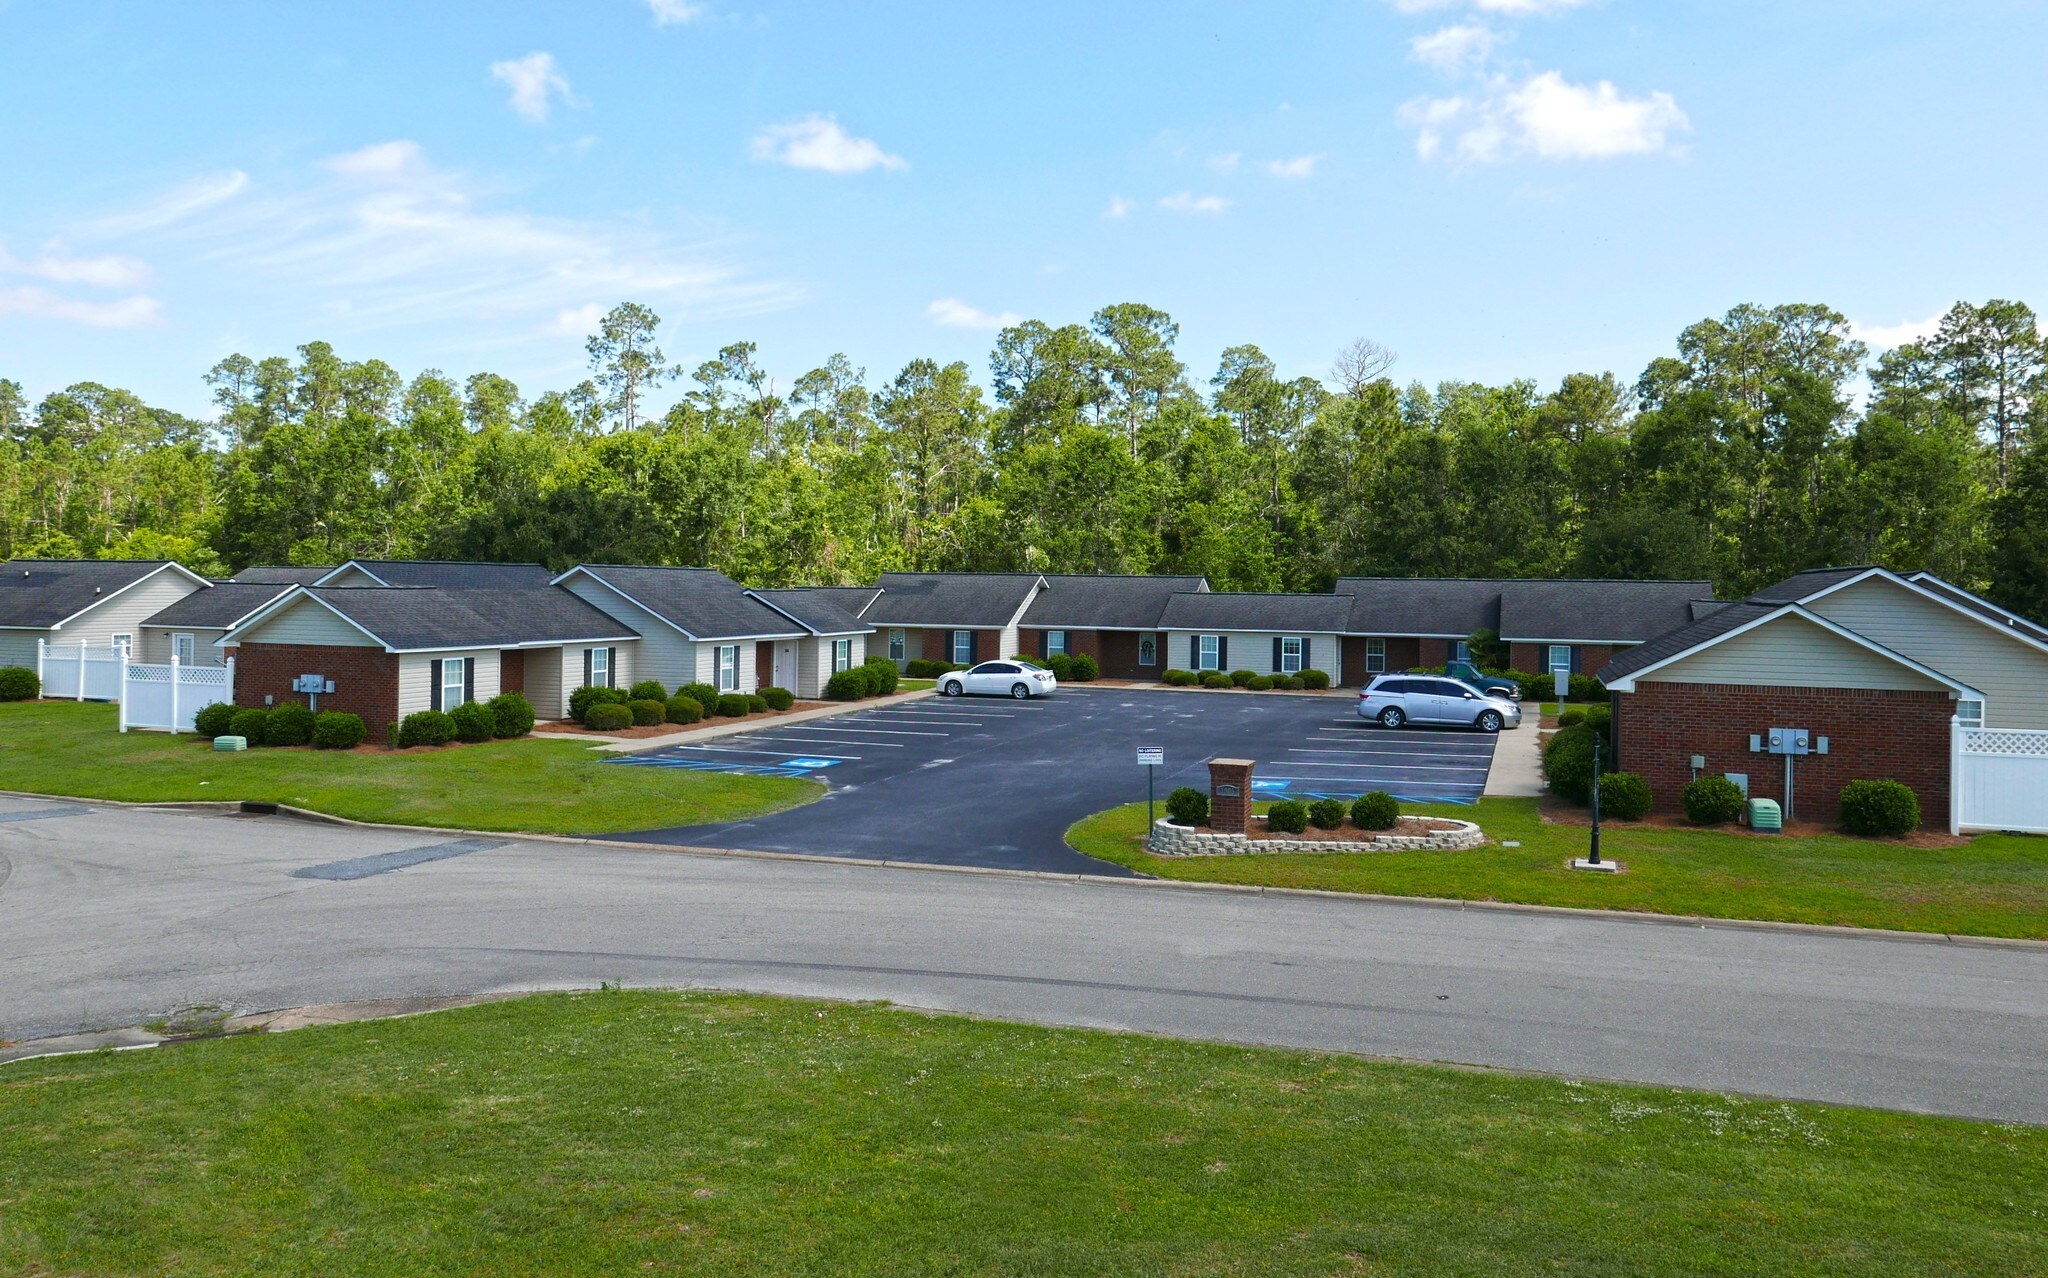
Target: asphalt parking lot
996	782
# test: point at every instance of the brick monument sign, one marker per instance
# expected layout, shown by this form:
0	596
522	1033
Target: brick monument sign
1230	794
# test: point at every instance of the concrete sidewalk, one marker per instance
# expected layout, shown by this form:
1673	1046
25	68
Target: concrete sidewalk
1517	768
755	723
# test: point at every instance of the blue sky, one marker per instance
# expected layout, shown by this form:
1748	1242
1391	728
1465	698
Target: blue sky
1493	188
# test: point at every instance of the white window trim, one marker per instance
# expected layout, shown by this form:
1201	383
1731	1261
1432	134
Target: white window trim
842	655
601	667
1461	650
1209	652
1550	661
190	642
1375	656
1055	643
896	648
122	641
728	672
454	682
1295	656
954	642
1965	717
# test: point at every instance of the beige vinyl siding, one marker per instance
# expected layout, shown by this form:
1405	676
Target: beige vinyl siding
416	675
707	663
625	669
544	683
155	645
663	652
1252	650
305	621
18	647
2012	674
913	643
124	613
353	576
814	662
1791	651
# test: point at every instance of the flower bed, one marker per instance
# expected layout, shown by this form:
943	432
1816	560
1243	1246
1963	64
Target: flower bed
1409	834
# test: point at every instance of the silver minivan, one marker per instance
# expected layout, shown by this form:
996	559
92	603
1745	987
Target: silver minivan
1396	700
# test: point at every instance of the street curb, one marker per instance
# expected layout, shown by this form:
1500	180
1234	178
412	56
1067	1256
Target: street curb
634	745
1643	917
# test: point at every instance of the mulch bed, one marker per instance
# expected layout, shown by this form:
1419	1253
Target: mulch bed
1556	811
1407	827
665	729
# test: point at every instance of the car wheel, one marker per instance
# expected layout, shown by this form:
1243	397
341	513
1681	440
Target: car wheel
1019	691
1490	721
951	688
1392	717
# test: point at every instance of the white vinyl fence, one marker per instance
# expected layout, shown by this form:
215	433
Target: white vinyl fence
166	697
1998	779
79	672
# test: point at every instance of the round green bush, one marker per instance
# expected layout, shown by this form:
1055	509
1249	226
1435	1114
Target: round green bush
511	715
646	711
734	706
1624	796
1085	668
1568	762
703	694
1188	806
18	683
1062	666
248	725
1375	811
1260	683
1242	677
882	675
290	724
1315	679
847	685
757	704
682	709
1600	719
924	668
1712	800
1571	718
473	722
1326	814
214	720
1289	816
1177	678
1879	809
1587	688
593	694
1216	679
607	716
778	698
337	730
1294	683
425	728
647	690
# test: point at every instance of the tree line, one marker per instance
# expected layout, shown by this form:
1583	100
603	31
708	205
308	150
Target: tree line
1768	442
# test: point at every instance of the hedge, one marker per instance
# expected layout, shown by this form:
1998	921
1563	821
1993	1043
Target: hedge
682	709
425	728
1376	810
1624	796
338	730
1188	806
214	720
19	683
1571	718
756	703
1290	816
512	715
733	706
646	711
607	716
882	675
926	669
290	724
703	694
1326	814
1879	808
646	690
592	694
248	725
1260	683
1294	683
1317	680
778	698
1712	800
1085	669
1216	679
1177	678
1568	762
474	722
1243	677
1061	665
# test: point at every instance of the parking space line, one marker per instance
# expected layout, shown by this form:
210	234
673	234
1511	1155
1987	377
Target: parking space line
815	754
1395	754
887	745
893	732
1393	767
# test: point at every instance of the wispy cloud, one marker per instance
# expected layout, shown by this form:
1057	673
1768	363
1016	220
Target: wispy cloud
1455	49
1301	166
674	13
41	303
535	82
1545	116
1189	202
57	265
1226	163
1885	337
819	142
951	312
175	205
1118	207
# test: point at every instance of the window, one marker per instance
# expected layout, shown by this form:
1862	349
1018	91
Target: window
1970	713
1210	646
895	645
1055	642
998	667
124	641
1560	654
601	667
963	647
454	682
1460	650
1290	654
183	649
842	655
1375	656
729	668
1148	651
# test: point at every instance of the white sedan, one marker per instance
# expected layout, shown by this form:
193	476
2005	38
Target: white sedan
998	679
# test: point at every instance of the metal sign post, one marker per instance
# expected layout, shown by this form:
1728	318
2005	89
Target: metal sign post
1595	855
1149	758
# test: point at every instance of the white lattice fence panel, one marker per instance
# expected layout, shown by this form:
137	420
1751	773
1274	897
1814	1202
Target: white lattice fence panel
167	697
2001	779
2006	742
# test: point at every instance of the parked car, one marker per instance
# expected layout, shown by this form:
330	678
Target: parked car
998	679
1491	685
1399	700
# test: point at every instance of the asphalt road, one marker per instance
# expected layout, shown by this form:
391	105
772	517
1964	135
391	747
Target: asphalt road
987	781
110	917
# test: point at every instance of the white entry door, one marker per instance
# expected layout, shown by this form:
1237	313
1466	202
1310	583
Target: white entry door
785	666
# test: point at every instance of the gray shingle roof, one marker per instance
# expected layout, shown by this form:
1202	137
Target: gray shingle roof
1231	610
39	593
1450	607
288	574
411	619
220	605
1106	603
819	607
1600	611
700	602
966	600
1964	599
854	599
1805	585
460	576
1672	642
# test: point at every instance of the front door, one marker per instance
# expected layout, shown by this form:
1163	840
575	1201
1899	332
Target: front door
785	666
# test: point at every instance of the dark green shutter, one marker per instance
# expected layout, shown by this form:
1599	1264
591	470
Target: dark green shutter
1194	652
586	668
469	678
1223	652
1276	653
611	668
435	699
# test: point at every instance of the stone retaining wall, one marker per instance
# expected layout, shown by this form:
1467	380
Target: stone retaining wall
1168	839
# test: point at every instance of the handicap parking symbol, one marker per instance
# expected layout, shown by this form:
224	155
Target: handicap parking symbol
808	763
1269	785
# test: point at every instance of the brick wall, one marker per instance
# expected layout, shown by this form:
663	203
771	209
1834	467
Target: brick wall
365	679
1230	794
1428	652
1403	653
1872	733
1533	658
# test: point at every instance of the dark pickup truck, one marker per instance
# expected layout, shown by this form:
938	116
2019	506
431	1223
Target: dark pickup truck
1491	684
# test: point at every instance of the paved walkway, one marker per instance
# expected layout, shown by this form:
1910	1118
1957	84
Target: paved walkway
726	727
1517	770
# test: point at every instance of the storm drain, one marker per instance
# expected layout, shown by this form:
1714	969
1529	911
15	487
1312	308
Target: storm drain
364	867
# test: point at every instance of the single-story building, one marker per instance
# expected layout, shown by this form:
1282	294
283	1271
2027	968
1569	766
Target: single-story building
284	574
1114	619
1266	634
192	628
838	638
437	572
1876	662
962	617
100	603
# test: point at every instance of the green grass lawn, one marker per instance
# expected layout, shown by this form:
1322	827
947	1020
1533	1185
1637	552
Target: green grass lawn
1996	885
915	685
547	787
613	1133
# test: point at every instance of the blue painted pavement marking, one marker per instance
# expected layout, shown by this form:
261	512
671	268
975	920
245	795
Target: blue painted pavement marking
363	867
45	814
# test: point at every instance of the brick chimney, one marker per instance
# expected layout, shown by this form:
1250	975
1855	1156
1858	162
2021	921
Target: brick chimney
1230	794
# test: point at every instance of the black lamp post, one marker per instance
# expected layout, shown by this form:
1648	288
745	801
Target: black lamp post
1595	857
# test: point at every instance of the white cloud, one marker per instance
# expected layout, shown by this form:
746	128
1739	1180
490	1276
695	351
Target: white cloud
59	267
674	13
176	204
1225	163
1454	49
1545	116
1885	337
41	303
577	321
1301	166
1119	207
385	160
1189	202
951	312
818	142
535	82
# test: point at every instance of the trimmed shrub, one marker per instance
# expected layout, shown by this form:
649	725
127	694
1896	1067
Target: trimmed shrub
1879	808
734	706
1317	680
1289	816
474	722
1571	718
1624	796
1375	811
1586	688
1215	679
607	716
1188	806
646	711
1061	665
778	698
881	675
703	694
248	725
592	694
682	709
1712	800
1568	762
425	728
847	685
757	704
647	690
1242	677
1326	814
1260	683
290	724
19	683
511	715
927	669
1085	668
1294	683
213	720
337	730
1177	678
1601	720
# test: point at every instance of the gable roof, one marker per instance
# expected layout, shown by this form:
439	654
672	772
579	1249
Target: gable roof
288	574
1433	607
1983	607
820	609
1683	639
1807	584
414	619
702	603
219	606
448	573
1589	611
1234	610
854	599
1748	615
961	600
1075	601
42	594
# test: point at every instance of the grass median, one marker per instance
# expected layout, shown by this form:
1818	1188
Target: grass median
541	787
623	1132
1994	885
